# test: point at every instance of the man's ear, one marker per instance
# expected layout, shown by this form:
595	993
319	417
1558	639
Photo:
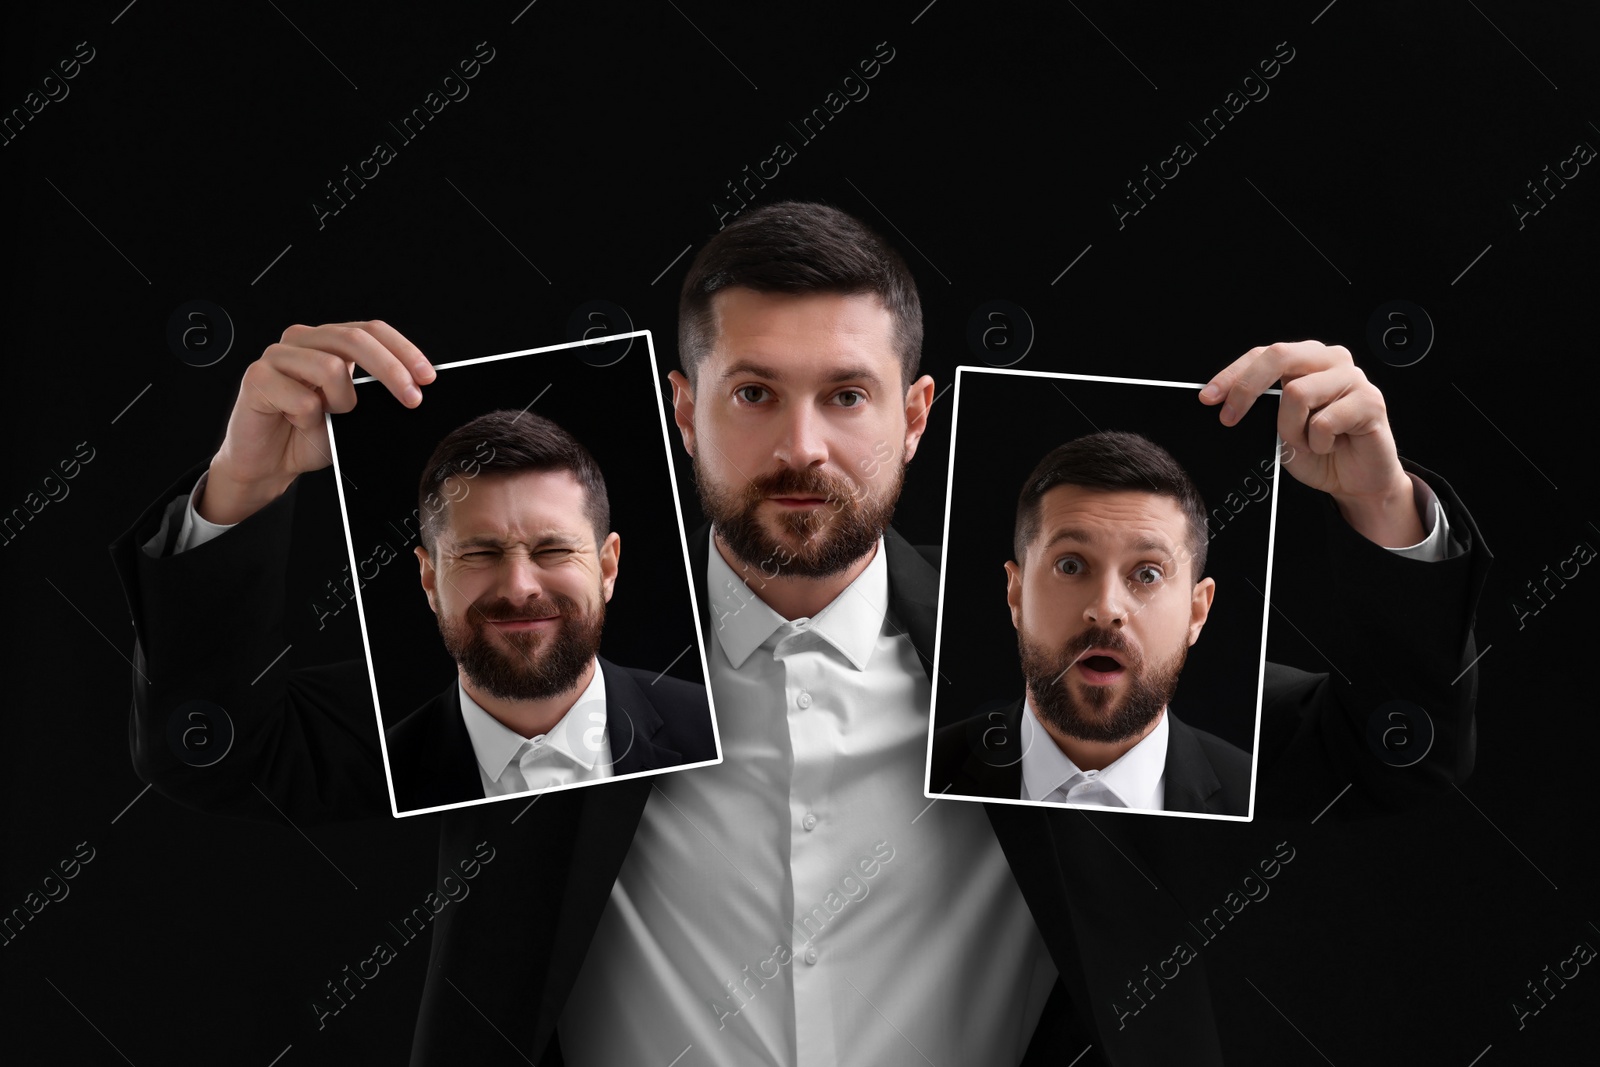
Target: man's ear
1014	592
429	579
1200	606
683	408
610	553
919	400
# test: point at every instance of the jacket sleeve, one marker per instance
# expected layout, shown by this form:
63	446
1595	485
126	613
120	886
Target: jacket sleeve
218	722
1392	719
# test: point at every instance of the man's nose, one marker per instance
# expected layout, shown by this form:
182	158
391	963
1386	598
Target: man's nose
802	443
1109	605
520	578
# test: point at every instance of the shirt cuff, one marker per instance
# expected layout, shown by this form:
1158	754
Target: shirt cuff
1437	545
196	531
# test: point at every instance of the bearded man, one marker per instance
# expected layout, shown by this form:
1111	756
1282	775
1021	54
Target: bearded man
1107	595
518	569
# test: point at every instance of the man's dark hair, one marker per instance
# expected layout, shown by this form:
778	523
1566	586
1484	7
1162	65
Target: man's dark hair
1113	461
506	442
798	248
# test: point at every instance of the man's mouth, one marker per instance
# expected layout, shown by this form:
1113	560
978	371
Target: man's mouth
522	624
1099	666
799	501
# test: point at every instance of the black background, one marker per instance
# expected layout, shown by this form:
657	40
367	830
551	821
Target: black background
1005	425
1383	165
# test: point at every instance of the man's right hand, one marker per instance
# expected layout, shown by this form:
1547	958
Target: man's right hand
277	430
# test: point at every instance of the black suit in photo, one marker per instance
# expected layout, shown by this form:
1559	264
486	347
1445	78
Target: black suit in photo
980	756
503	962
654	722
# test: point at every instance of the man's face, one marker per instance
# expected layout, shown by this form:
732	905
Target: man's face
800	428
1105	609
519	585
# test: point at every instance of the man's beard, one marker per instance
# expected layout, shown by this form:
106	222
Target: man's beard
831	536
537	664
1093	717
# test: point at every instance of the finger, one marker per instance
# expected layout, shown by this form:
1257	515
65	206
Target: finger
1246	378
1216	389
1255	372
357	344
1353	415
326	372
422	371
1302	397
271	392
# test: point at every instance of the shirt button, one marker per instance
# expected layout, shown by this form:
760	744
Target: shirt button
536	741
804	699
811	955
809	822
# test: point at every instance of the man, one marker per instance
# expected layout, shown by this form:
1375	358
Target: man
1107	595
518	564
801	902
812	864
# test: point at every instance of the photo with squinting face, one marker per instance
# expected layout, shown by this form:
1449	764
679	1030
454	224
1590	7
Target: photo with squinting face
520	656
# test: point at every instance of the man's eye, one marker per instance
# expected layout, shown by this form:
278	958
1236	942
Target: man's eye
1069	565
751	394
851	398
475	555
1147	575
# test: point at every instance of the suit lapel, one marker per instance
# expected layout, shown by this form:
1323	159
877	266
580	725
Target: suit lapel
454	775
913	595
1190	780
632	723
699	545
1084	876
606	824
551	863
993	767
1109	923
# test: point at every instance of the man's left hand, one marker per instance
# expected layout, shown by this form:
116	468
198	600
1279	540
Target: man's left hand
1336	427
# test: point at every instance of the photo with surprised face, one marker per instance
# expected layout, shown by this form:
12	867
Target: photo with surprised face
1103	611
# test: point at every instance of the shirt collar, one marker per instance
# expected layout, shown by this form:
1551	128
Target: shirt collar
1135	777
496	745
851	623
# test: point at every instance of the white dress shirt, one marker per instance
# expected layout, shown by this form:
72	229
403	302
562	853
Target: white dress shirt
1137	778
576	749
803	903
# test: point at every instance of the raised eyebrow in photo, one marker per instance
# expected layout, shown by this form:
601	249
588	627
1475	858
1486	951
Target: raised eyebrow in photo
1141	544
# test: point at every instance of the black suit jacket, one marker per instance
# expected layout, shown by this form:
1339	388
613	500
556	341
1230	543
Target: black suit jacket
981	756
307	739
654	722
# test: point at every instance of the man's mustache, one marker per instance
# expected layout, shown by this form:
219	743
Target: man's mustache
542	608
1100	637
806	481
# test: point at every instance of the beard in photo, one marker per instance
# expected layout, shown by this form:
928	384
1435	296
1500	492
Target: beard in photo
1096	712
527	665
816	542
